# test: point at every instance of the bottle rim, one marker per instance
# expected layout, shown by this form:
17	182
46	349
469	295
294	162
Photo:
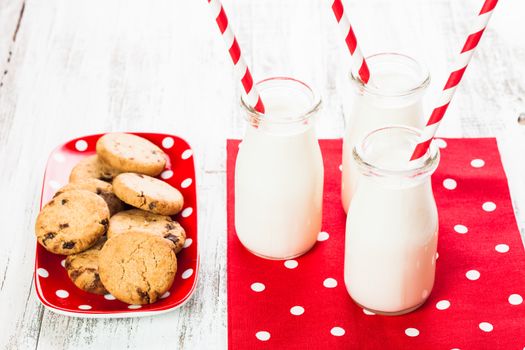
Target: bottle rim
421	167
256	117
421	84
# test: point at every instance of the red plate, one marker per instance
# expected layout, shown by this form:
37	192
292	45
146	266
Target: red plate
54	288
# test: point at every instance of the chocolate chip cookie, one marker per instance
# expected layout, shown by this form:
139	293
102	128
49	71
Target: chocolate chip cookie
148	193
131	153
82	269
155	224
92	167
72	222
137	267
102	188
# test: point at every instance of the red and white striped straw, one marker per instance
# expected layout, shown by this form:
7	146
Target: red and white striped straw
241	69
358	61
454	78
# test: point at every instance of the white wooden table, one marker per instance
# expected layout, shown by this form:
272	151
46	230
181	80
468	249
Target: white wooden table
76	67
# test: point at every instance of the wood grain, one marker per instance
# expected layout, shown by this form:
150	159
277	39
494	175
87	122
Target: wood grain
80	67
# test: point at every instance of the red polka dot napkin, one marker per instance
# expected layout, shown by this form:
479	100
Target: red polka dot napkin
477	300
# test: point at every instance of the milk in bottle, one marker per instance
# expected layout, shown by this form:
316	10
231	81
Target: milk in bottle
279	173
392	224
392	96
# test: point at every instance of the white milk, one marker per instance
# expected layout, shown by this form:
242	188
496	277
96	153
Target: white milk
279	178
391	233
394	97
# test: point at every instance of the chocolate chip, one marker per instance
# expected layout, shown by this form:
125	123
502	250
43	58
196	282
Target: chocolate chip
99	190
172	238
68	245
51	203
152	205
64	201
57	194
153	152
106	177
49	235
74	274
63	226
143	295
105	223
140	175
169	227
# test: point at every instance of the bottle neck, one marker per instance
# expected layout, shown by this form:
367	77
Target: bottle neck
384	157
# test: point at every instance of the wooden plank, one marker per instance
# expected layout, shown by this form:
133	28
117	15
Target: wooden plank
84	67
11	14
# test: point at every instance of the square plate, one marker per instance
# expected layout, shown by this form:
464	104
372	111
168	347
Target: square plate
53	286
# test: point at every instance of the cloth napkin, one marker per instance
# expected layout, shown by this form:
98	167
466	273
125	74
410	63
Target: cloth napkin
477	299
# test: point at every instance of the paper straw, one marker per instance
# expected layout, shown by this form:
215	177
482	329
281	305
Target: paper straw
454	78
358	60
241	68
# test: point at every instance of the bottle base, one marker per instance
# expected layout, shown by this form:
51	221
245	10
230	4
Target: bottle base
279	258
394	313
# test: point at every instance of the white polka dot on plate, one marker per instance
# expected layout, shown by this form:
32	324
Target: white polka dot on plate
63	263
502	248
368	312
81	145
187	212
412	332
486	327
337	331
166	174
134	306
473	275
186	154
168	142
477	163
450	184
263	335
187	242
442	304
291	264
84	307
489	206
62	293
440	143
461	229
340	167
42	273
165	295
330	283
437	255
187	274
323	236
297	310
515	299
109	297
186	183
54	184
258	287
59	157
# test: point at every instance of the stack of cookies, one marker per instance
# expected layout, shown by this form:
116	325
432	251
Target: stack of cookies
114	221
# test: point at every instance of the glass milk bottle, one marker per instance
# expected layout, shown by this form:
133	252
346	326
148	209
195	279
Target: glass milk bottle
392	96
279	172
392	224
